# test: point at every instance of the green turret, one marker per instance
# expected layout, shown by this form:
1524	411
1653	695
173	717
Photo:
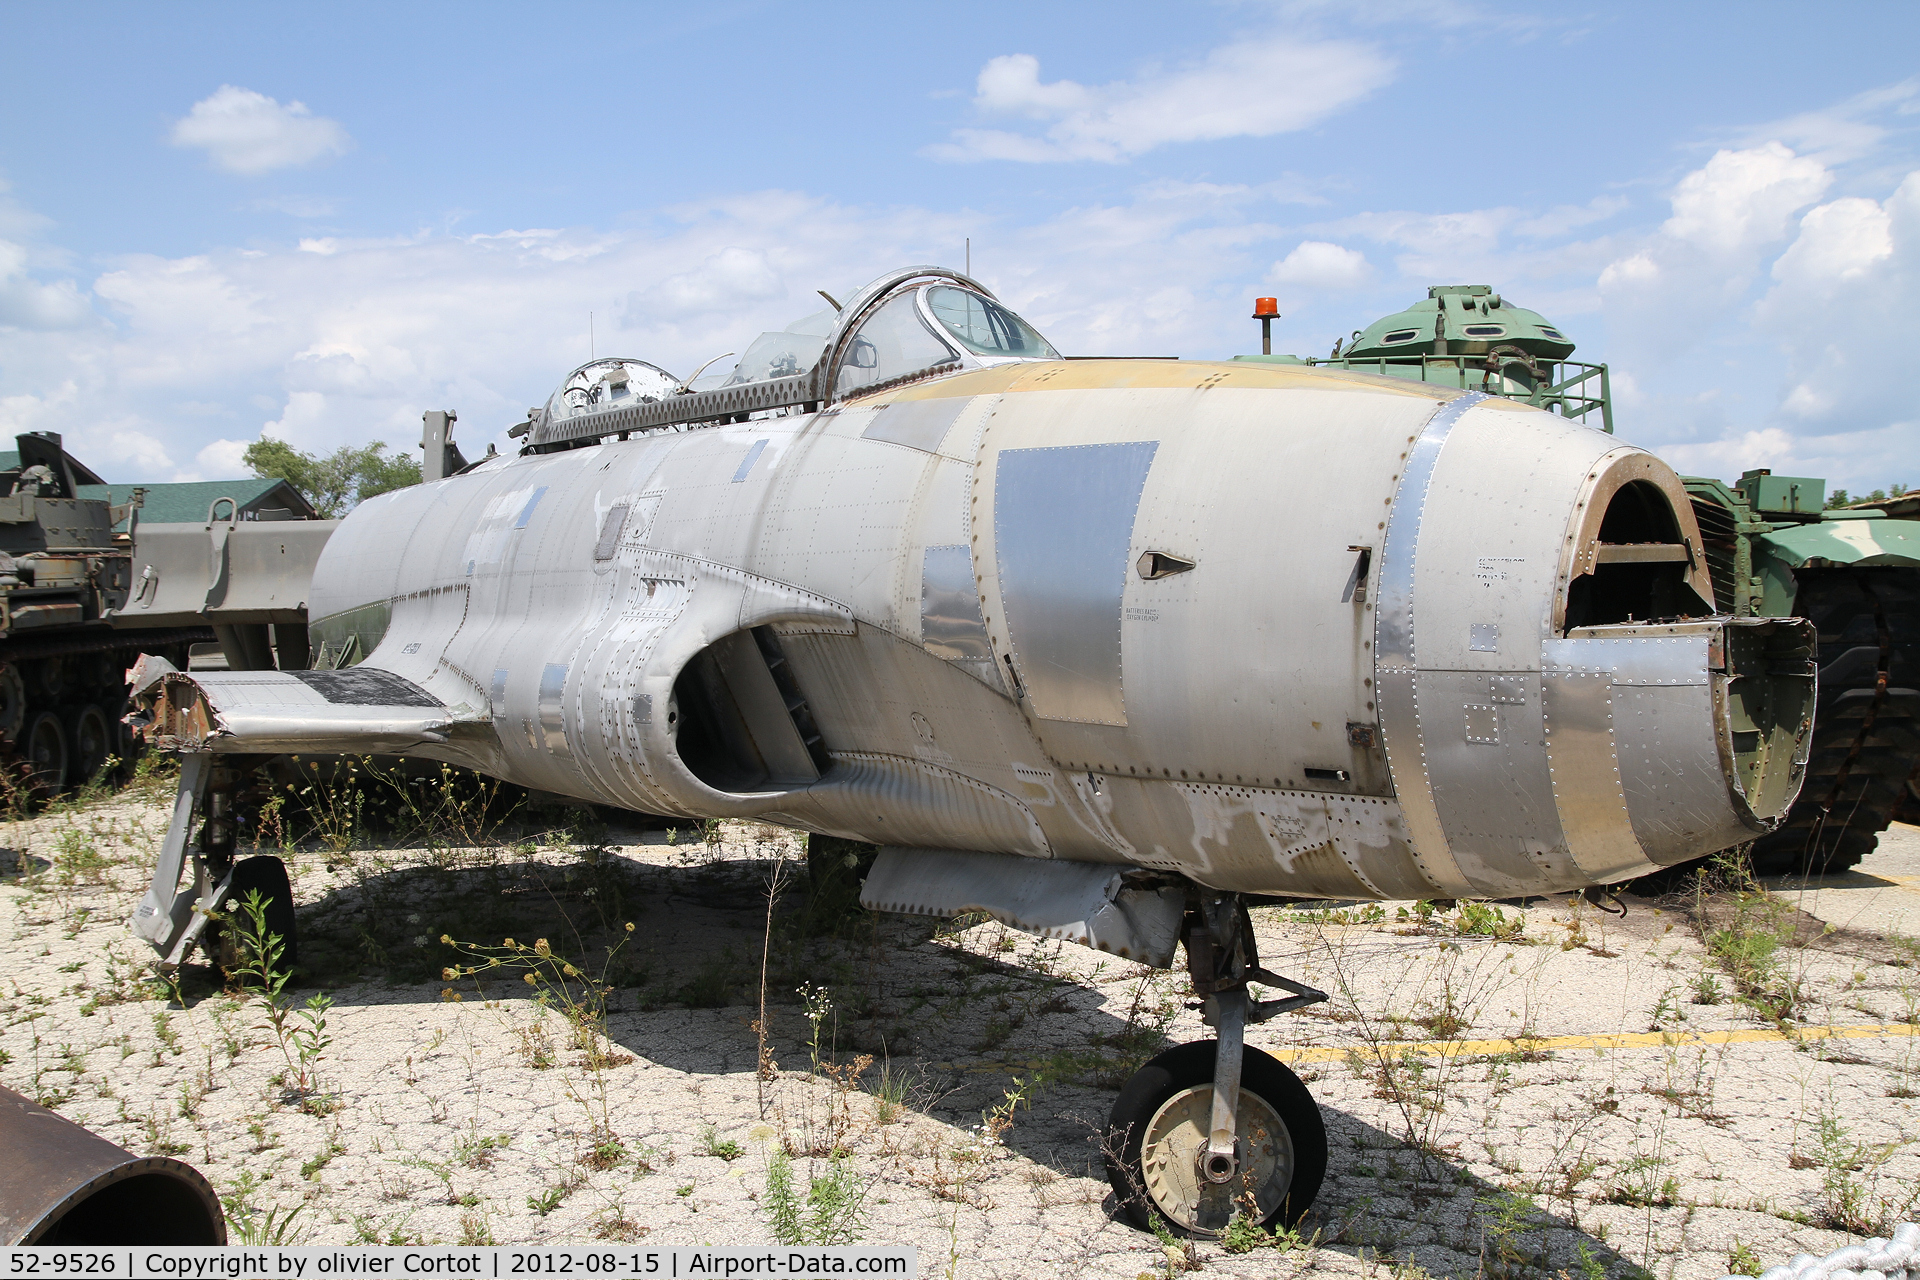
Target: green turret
1466	335
1460	320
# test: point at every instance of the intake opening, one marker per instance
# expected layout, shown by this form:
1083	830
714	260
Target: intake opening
740	721
1639	566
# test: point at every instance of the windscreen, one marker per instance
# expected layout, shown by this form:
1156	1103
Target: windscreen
985	327
893	343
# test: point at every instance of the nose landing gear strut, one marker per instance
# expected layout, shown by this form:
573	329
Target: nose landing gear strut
1212	1129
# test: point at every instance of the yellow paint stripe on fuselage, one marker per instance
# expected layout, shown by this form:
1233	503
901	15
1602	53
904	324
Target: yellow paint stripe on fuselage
1112	375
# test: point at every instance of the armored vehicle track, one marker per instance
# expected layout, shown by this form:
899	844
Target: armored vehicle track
1866	733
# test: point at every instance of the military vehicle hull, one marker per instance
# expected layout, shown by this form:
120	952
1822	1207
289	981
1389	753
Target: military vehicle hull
1855	573
62	572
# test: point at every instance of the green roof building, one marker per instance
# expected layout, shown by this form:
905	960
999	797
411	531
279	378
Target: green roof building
189	503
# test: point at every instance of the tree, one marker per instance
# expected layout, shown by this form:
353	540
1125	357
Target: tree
338	482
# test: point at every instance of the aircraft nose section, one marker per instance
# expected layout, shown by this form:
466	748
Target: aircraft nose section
1667	741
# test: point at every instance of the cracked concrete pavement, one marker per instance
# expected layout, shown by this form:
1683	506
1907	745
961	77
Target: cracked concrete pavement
1512	1089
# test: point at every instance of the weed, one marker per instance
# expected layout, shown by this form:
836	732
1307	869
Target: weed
76	860
1484	920
478	1151
270	1228
1743	1261
889	1094
834	1212
712	1145
547	1201
301	1032
311	1168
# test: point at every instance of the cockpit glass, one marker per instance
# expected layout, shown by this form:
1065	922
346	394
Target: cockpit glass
985	327
892	343
608	384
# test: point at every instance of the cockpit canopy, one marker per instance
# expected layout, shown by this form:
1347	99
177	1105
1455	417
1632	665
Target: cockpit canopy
920	321
607	384
912	323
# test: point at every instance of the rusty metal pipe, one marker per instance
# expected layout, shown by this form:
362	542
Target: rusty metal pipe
62	1185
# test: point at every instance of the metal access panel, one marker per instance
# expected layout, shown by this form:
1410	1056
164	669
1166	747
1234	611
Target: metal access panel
1063	526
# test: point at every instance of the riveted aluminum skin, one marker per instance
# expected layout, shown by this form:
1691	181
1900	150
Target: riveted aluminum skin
1395	659
920	618
1063	523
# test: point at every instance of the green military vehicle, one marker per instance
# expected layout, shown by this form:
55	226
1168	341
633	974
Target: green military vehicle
1773	550
62	570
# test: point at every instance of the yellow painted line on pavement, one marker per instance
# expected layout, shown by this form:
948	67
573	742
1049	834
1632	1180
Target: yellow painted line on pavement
1599	1044
1538	1044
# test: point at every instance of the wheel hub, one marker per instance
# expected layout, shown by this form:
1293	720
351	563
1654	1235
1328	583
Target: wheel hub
1179	1174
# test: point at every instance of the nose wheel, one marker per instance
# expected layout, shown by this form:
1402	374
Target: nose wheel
1213	1130
1158	1161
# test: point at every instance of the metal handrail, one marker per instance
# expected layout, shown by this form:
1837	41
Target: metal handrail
1555	390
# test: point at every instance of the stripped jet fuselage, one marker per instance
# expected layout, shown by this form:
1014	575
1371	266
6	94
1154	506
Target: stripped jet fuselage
1102	647
1275	630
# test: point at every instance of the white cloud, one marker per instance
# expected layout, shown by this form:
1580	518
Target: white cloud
223	458
1317	264
25	303
1250	89
1669	291
250	133
1838	307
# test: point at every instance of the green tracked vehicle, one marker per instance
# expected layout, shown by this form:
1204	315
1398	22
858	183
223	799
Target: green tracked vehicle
62	569
1773	550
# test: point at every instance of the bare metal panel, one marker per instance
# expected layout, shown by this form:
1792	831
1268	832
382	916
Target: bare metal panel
1063	529
917	424
951	625
746	463
1084	902
1487	763
553	723
273	711
611	528
915	801
1586	776
1394	654
1670	770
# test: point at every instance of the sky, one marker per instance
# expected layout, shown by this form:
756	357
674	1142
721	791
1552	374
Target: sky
315	223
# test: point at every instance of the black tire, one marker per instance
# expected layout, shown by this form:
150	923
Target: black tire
1866	742
13	703
1188	1067
44	746
89	742
268	875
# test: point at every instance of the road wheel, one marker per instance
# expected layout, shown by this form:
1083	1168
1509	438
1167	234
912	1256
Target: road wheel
1158	1132
45	749
13	703
91	740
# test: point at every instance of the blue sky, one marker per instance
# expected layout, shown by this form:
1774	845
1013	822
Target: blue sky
223	220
